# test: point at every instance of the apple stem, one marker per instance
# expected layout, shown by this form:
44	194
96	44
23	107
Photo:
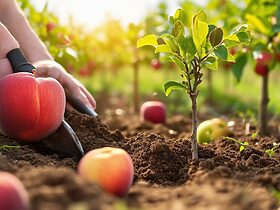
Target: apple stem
263	106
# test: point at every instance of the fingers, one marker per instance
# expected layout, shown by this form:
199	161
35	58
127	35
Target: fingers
71	85
69	107
89	97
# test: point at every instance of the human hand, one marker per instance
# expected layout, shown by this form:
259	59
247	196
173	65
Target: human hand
50	68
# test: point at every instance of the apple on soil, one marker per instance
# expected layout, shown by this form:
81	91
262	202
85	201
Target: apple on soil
210	130
153	111
110	168
13	195
30	108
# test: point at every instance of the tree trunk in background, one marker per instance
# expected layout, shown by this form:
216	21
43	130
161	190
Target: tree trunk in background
263	106
136	86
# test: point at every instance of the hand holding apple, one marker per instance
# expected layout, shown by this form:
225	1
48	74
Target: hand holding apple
210	130
13	195
30	108
153	111
110	168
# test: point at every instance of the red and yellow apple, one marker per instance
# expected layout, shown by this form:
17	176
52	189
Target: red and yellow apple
210	130
110	168
13	195
153	111
30	108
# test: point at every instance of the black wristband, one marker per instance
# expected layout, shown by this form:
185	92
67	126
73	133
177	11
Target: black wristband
19	62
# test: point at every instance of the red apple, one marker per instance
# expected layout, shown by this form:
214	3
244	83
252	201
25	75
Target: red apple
153	111
13	195
265	58
156	64
85	71
110	168
261	69
50	26
30	108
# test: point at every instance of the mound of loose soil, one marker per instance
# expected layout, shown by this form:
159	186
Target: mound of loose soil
165	175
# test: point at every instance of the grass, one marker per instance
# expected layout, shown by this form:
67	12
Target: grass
227	94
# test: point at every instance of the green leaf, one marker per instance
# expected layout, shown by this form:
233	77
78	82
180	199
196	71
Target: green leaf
171	42
149	40
257	23
186	46
199	33
171	20
201	15
276	28
180	15
241	148
231	40
238	66
178	28
211	63
239	28
163	49
243	37
173	85
178	62
160	41
216	37
222	53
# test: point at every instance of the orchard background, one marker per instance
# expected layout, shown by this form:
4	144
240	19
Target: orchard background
107	61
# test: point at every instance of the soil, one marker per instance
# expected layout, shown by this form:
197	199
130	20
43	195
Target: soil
165	175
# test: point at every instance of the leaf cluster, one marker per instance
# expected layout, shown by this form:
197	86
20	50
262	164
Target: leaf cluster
195	47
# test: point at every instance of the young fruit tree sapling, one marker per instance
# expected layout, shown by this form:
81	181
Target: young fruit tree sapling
192	49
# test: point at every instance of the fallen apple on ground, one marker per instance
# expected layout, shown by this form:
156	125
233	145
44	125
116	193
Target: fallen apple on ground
30	108
13	195
110	168
153	111
210	130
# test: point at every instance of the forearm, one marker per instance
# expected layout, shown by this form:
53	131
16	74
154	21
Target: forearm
29	42
7	41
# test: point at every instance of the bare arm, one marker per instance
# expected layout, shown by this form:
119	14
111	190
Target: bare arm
13	18
7	43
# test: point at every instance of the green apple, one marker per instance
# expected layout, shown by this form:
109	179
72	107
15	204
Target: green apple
210	130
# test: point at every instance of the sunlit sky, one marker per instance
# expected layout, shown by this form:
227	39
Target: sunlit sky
93	12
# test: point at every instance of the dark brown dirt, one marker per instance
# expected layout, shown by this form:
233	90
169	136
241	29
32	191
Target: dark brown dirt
165	175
